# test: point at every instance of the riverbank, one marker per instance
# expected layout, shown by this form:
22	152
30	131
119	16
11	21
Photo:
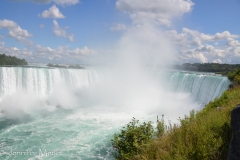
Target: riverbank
202	135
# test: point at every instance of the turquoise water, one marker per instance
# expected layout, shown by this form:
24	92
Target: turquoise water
63	114
57	136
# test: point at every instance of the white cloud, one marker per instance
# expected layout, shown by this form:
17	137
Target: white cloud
206	37
233	43
158	10
204	54
15	31
196	42
194	46
52	12
14	51
1	36
191	32
236	52
212	51
195	38
118	27
164	22
84	51
71	37
60	32
59	2
218	36
217	61
63	53
179	39
192	56
202	36
44	54
224	35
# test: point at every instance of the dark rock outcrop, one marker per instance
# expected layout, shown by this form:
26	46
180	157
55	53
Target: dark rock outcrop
234	147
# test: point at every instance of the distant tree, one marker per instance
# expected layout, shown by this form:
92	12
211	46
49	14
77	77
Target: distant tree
63	66
209	67
11	60
56	65
76	67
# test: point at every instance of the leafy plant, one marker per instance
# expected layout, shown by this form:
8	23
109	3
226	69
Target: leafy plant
234	77
132	139
160	127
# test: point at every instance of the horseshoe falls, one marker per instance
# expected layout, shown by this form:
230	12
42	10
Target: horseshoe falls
58	114
203	87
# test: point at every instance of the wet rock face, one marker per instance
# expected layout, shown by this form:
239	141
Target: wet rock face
234	147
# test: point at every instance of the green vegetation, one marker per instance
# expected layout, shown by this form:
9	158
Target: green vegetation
136	138
76	67
208	67
132	139
199	136
234	77
63	66
56	65
11	60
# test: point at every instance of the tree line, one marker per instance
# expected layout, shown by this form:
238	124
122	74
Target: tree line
64	66
208	67
11	60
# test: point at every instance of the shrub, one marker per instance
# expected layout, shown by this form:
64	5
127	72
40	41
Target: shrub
160	127
132	139
234	77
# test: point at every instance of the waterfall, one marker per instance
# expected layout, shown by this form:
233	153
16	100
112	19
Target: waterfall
42	80
202	87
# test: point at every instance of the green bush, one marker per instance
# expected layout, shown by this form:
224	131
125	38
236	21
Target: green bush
234	77
132	139
160	127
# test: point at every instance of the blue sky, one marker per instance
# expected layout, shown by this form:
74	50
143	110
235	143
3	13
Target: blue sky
78	31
